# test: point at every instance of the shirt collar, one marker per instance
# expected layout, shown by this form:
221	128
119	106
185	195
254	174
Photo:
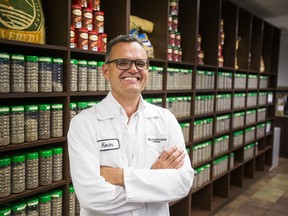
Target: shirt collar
110	108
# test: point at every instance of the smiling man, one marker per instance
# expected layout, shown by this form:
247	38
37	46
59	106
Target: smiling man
127	157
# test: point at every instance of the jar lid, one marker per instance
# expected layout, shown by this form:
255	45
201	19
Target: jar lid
44	198
31	108
71	189
56	106
44	107
100	63
45	59
17	57
45	153
91	103
31	58
18	207
5	210
32	201
18	158
92	63
4	56
82	105
57	150
82	62
74	61
5	161
56	193
32	155
58	60
72	105
4	110
17	109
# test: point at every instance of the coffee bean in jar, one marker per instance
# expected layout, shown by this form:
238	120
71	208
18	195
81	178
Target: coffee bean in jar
73	109
56	120
72	200
45	74
45	204
57	75
18	173
17	121
31	74
4	73
73	75
31	123
56	202
44	121
45	167
57	163
5	176
32	206
32	170
4	126
82	75
18	209
17	73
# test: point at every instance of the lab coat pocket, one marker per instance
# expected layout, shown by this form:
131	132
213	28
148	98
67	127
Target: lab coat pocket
157	143
110	154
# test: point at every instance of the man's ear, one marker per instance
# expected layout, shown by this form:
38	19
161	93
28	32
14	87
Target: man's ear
105	71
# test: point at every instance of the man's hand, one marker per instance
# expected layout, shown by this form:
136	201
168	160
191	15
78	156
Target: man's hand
112	175
172	158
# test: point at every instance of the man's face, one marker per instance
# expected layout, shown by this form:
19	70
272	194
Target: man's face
130	81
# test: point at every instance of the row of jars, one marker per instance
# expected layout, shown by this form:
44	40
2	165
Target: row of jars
47	203
179	78
220	166
222	123
155	78
28	170
185	127
249	151
26	73
201	176
179	106
30	123
202	128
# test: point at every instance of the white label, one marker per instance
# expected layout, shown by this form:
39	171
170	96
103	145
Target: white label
157	140
108	144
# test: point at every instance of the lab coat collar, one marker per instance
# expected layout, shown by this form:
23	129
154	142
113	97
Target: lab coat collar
110	108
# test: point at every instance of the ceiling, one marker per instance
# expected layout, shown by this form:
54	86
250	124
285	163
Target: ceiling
272	11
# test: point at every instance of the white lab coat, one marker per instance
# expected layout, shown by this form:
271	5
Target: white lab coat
100	136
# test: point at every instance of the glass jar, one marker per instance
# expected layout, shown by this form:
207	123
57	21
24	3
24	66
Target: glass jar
31	74
92	75
73	111
81	106
45	167
5	176
57	75
4	73
45	74
31	123
72	201
17	124
17	73
44	121
32	206
18	209
56	202
73	75
5	210
32	170
45	205
4	126
18	173
57	163
101	78
91	104
56	120
82	75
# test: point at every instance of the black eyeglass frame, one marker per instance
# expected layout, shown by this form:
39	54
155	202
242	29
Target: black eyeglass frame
131	61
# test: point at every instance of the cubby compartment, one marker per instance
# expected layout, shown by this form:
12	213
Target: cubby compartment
235	181
220	191
248	172
182	205
201	202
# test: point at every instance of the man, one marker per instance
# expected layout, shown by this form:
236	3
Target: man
127	157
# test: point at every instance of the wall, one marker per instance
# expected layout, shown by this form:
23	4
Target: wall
283	61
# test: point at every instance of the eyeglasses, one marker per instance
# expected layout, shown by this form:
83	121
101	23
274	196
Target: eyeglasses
125	64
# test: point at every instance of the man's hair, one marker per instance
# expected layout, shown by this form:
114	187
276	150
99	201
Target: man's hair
118	39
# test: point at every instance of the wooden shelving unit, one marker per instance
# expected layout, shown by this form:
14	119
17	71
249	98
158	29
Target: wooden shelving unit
258	39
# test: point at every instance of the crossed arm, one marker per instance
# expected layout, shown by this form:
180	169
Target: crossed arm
172	158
